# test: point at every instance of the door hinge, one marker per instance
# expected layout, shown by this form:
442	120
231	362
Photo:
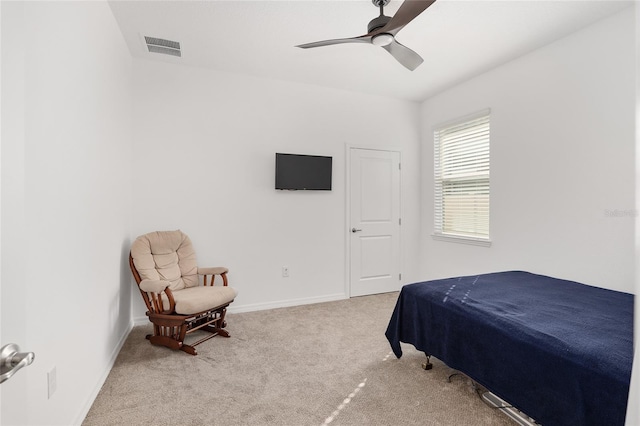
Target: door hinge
399	166
399	221
399	277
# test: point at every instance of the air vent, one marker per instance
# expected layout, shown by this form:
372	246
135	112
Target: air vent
166	47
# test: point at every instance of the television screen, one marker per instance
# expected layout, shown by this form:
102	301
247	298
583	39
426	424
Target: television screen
310	172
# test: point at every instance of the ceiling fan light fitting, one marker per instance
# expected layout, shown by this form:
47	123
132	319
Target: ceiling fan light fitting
383	39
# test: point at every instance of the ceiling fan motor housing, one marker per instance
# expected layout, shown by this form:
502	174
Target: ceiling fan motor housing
378	22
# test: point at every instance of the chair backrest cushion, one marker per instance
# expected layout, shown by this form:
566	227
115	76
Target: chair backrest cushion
166	255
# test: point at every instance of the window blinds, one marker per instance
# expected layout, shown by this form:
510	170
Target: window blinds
462	178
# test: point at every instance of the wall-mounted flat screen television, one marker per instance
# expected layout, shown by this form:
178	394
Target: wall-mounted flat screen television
303	172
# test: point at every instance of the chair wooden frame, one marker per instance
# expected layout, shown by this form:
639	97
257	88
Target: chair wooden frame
171	328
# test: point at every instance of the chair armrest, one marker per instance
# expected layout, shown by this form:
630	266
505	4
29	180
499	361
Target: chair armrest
152	293
154	286
219	270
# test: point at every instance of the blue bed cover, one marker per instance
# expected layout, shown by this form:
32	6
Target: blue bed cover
558	350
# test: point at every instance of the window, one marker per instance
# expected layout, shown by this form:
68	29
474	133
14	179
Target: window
461	160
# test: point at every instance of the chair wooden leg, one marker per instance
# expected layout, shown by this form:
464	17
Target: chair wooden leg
168	333
216	330
165	341
189	349
221	322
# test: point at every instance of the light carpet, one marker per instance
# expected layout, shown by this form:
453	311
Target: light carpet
327	363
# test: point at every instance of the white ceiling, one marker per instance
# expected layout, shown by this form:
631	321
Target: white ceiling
457	39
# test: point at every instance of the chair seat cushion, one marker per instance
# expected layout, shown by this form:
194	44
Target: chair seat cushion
198	299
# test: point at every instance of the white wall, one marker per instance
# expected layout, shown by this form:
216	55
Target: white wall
562	161
72	165
204	152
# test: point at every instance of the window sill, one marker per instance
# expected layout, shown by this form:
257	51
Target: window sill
462	240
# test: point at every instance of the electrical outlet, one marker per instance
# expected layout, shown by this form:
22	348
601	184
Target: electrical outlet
285	271
52	382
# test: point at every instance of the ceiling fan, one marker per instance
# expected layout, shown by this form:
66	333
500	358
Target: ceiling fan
383	29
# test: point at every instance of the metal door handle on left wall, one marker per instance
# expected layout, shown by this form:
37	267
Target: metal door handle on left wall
11	360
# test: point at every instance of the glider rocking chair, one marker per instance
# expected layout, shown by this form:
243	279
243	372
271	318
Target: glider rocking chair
164	266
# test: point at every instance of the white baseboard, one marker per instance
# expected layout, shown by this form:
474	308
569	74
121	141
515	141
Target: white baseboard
236	309
140	321
112	359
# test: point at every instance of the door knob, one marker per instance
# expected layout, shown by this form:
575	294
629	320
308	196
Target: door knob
11	360
354	230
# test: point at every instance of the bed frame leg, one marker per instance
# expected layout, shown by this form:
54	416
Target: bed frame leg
452	375
427	365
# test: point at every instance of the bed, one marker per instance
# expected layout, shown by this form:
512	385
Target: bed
558	350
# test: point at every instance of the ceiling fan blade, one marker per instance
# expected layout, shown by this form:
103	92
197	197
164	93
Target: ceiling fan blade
405	14
404	55
361	39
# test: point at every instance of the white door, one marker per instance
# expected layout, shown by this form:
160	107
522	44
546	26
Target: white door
374	222
13	290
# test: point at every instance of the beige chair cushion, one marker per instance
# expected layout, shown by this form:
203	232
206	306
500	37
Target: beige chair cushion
198	299
166	255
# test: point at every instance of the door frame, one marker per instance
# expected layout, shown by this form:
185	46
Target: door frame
347	220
